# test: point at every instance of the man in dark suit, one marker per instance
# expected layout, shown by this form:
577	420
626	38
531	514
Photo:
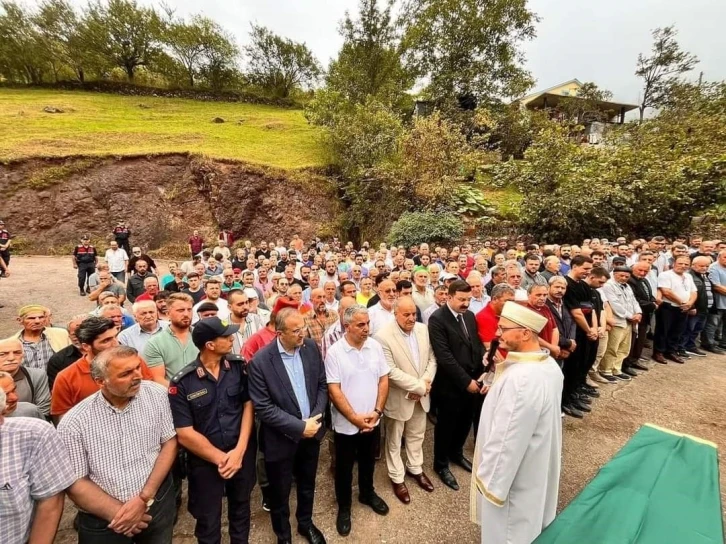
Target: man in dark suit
289	391
459	356
646	299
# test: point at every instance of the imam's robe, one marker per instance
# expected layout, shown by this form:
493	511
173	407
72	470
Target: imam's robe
516	473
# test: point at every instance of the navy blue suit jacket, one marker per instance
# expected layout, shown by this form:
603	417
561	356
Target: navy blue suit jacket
275	403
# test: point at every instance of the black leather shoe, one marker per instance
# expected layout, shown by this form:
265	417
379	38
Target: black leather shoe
377	504
448	478
630	372
312	534
580	406
342	523
463	462
639	366
583	398
572	412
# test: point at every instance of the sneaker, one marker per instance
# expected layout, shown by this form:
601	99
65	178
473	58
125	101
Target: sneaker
609	379
682	354
598	378
622	377
695	352
265	498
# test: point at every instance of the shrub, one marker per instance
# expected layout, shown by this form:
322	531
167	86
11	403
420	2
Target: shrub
430	227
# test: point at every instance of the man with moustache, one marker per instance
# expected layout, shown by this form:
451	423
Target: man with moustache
645	298
138	501
459	355
31	383
381	313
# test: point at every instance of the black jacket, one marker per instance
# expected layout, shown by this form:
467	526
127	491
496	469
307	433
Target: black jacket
459	359
646	301
565	325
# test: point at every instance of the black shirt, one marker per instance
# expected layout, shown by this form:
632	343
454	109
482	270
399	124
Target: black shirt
213	407
63	359
197	296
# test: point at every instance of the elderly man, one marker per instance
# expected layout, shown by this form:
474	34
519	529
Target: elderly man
40	342
412	367
441	295
626	314
498	275
75	383
518	448
35	471
645	296
423	295
381	313
147	325
459	355
320	319
717	315
479	298
697	315
172	349
15	408
514	280
551	267
487	321
679	295
127	423
151	288
135	285
357	376
289	393
104	281
31	383
549	335
117	259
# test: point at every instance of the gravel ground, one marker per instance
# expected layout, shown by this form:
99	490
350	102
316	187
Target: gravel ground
687	398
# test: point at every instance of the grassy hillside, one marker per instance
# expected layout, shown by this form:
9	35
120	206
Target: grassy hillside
102	124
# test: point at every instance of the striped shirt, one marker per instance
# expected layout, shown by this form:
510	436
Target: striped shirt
34	465
117	449
37	354
331	336
253	323
317	325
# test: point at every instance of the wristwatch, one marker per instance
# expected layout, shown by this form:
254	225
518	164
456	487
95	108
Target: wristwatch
377	411
147	502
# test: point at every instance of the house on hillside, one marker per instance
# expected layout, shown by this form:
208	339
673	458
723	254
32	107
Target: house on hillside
603	111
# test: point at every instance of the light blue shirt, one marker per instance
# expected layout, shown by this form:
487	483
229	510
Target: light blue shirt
296	373
717	275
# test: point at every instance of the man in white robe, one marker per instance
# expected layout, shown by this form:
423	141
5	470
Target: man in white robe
516	473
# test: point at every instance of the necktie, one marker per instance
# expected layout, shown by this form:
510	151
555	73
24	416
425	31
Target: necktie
460	319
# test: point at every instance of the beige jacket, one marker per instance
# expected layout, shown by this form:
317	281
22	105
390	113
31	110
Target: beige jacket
57	338
404	377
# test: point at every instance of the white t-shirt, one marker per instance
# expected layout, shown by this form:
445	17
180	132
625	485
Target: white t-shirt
358	373
682	286
379	317
116	260
222	313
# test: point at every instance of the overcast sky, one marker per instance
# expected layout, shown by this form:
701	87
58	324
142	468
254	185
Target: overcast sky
589	40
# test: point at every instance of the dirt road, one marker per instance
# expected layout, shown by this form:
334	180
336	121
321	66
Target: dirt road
687	398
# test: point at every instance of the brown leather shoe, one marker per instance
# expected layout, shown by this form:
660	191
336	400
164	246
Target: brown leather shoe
675	358
423	481
401	491
658	358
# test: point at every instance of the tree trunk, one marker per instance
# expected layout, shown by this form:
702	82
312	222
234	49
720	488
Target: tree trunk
642	112
191	78
130	71
81	75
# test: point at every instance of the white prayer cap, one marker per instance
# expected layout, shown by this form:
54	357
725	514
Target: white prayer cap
251	293
516	313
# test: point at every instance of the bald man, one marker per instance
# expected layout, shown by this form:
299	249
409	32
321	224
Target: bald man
381	313
31	383
320	319
412	364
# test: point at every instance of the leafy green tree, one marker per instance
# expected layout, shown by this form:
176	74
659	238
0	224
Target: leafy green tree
193	43
414	228
468	48
22	56
369	63
586	105
279	65
663	68
125	34
54	21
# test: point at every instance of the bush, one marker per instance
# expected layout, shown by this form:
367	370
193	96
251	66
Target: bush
430	227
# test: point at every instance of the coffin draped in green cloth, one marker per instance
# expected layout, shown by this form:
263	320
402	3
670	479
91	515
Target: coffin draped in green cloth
662	487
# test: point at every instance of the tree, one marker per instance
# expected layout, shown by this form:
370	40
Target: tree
468	49
663	68
585	106
192	44
54	21
414	228
369	63
124	33
21	52
279	65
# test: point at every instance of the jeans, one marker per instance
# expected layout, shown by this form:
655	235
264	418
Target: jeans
714	322
694	326
94	530
349	448
120	276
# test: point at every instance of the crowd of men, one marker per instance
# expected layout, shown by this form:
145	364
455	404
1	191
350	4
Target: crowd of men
228	370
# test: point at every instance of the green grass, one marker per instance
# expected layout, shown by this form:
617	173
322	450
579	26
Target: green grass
105	124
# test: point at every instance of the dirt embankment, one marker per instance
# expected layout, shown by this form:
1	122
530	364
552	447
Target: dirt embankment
48	204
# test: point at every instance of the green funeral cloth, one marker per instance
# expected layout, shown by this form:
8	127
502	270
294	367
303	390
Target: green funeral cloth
662	487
